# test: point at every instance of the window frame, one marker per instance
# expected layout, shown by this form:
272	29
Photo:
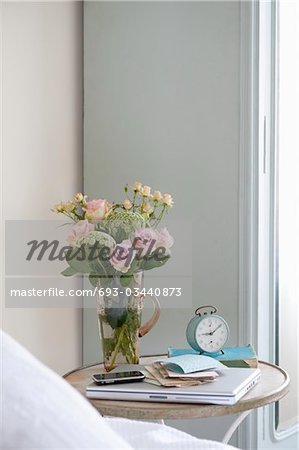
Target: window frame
258	318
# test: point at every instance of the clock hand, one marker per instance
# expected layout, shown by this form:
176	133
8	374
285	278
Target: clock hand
216	329
210	333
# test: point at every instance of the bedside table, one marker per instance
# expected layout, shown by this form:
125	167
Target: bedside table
272	387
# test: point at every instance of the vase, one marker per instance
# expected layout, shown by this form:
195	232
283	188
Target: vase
119	309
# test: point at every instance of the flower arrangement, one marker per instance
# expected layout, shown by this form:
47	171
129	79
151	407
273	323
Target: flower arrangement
114	243
117	239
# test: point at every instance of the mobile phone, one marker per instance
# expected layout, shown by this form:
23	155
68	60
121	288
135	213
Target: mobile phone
118	377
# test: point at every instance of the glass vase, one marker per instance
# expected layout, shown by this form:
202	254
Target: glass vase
119	309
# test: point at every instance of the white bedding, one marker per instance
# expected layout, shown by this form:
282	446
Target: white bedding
148	435
40	410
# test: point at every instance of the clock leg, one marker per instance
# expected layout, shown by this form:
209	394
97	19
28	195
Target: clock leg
234	426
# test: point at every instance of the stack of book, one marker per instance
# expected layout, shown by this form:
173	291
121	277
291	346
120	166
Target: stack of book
182	371
230	356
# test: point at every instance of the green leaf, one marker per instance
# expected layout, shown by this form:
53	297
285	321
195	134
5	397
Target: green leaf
68	272
153	263
133	268
74	260
79	266
126	280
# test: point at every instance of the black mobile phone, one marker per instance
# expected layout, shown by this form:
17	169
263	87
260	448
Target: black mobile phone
118	377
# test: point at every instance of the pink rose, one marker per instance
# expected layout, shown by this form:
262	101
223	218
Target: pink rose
82	228
122	256
97	209
145	241
164	239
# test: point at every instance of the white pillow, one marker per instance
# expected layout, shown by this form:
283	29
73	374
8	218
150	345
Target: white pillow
41	410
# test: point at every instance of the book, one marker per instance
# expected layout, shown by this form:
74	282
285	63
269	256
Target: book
229	356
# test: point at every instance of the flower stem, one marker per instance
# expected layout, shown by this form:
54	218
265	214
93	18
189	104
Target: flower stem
160	216
117	346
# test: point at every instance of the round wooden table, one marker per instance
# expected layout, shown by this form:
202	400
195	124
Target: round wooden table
272	387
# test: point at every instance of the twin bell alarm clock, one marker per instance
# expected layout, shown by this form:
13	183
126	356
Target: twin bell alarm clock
207	332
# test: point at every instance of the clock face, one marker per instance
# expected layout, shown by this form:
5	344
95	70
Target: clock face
211	333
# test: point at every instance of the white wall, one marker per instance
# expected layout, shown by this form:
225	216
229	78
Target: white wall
161	93
162	105
42	148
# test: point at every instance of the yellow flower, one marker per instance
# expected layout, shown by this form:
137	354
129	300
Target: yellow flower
69	206
64	207
58	208
80	197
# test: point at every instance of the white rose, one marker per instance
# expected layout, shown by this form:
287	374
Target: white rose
127	204
137	186
147	208
157	196
146	191
168	200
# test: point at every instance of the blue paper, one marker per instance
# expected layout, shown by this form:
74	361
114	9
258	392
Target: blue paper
227	354
192	363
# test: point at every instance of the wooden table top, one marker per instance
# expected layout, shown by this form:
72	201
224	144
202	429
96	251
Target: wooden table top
272	387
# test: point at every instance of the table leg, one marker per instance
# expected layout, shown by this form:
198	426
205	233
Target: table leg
234	426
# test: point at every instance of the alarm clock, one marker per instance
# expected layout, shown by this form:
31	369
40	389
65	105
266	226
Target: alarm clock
207	332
